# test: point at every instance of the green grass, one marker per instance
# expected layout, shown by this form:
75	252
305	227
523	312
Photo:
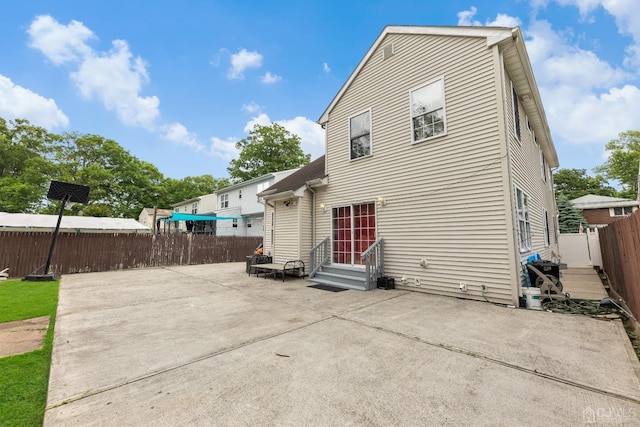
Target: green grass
24	378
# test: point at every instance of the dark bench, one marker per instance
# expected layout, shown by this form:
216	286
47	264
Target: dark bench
289	267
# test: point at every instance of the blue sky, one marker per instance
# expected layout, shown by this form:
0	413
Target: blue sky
177	83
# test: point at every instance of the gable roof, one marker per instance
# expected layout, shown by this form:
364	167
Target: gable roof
297	180
516	60
592	201
266	177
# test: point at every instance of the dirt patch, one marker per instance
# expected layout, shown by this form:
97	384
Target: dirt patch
22	336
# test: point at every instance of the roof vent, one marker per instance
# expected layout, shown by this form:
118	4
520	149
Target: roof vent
388	51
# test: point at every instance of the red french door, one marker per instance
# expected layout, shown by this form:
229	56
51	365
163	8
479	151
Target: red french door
354	230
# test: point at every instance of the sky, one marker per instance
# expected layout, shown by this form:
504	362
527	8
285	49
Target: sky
178	83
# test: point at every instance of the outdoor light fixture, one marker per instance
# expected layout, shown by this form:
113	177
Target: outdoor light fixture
323	207
381	201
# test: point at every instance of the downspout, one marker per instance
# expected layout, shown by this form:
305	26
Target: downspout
313	215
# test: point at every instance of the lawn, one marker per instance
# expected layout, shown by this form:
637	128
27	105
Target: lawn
24	378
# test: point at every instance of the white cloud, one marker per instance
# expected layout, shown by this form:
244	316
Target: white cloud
178	133
312	136
17	102
114	77
262	119
225	149
585	97
627	16
60	43
251	107
269	78
466	19
241	61
325	68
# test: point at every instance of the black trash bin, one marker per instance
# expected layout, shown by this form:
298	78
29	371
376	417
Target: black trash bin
545	267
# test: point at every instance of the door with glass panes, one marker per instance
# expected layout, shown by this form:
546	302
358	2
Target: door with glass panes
354	230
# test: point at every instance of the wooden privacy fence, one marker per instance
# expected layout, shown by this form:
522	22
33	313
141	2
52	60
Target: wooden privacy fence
620	247
26	253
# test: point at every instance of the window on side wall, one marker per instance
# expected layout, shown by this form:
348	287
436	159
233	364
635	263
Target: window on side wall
516	113
543	167
360	135
545	224
224	201
621	211
524	223
428	118
235	223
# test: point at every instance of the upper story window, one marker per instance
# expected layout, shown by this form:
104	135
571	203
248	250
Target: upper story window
224	201
543	166
547	230
194	208
428	117
621	211
524	224
360	135
516	113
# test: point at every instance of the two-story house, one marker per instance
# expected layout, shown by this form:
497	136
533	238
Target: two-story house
239	201
436	173
201	205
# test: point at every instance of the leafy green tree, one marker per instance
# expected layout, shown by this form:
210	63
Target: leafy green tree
121	185
25	165
176	190
267	149
569	216
574	183
623	162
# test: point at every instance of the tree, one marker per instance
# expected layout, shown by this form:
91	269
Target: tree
569	216
623	162
121	184
25	166
267	149
574	183
177	190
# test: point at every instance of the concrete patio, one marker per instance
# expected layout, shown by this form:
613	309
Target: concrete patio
208	345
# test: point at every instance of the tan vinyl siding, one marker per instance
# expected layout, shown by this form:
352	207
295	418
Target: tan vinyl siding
287	223
445	197
267	242
525	167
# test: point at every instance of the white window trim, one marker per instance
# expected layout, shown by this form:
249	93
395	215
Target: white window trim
444	110
524	242
546	229
543	166
370	134
612	211
224	198
514	107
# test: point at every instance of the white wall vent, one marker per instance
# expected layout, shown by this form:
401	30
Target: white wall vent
387	51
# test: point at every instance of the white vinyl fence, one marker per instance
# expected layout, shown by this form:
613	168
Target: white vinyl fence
580	249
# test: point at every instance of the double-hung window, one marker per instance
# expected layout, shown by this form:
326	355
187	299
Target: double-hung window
621	211
547	231
360	135
516	113
524	223
428	117
224	201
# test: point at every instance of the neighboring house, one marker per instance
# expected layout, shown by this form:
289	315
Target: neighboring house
240	201
70	224
438	157
599	211
146	216
202	205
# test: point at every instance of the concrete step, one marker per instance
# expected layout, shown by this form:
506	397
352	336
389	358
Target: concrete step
339	284
344	271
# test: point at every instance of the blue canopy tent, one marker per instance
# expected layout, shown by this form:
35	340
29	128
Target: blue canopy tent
196	223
